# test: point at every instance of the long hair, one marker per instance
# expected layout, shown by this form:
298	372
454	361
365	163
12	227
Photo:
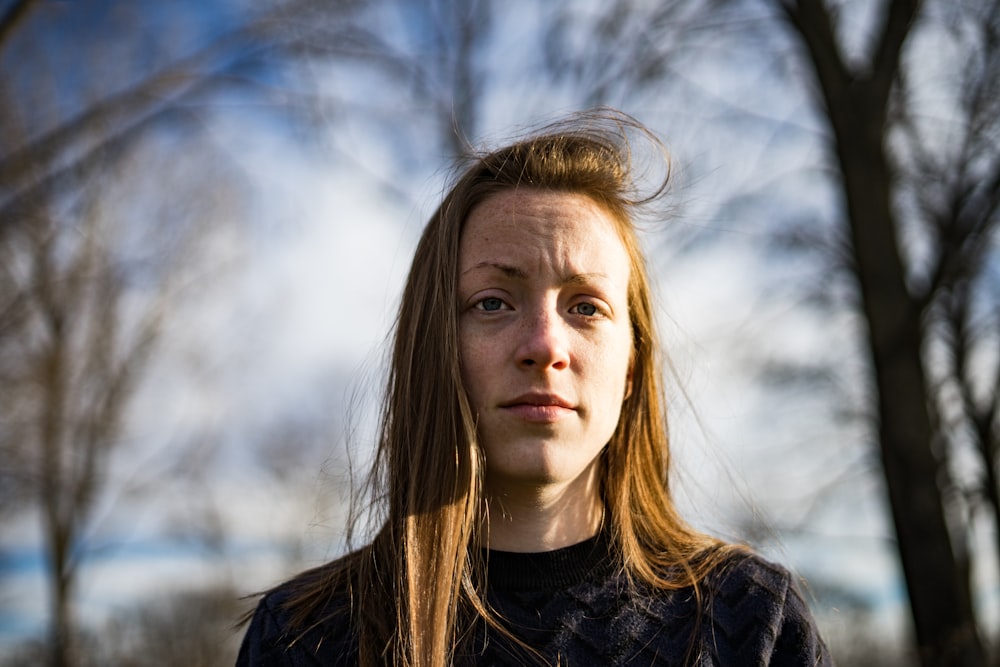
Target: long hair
425	562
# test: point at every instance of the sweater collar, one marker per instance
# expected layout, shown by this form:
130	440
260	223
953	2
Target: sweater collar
550	570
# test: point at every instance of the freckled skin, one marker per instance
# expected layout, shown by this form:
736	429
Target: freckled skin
545	337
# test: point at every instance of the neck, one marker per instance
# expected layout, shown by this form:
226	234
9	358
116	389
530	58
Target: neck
542	517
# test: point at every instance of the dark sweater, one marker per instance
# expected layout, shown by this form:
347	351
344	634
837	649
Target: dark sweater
575	608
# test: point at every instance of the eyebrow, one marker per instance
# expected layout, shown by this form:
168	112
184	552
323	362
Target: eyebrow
506	269
519	274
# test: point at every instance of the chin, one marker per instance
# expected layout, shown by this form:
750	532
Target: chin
540	474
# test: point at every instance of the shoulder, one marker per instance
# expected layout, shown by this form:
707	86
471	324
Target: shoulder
304	621
746	580
756	608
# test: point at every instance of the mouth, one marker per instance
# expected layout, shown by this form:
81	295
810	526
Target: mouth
539	407
539	399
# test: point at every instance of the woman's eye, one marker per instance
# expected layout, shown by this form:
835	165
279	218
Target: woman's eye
585	308
491	304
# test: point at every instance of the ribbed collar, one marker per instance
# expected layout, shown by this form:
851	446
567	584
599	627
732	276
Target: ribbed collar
550	570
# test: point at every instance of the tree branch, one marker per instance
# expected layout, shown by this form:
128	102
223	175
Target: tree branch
112	111
814	25
963	228
899	18
12	17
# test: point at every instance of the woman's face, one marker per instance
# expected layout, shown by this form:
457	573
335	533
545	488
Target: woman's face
545	334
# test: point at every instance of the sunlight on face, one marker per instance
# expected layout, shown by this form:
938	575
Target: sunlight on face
545	333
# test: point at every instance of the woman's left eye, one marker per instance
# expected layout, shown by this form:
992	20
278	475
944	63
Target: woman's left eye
585	308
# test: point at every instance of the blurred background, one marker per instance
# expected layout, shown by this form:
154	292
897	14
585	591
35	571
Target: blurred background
207	209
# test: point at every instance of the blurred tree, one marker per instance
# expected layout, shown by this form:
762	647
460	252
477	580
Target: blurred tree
909	93
426	70
433	56
97	236
177	63
76	342
192	628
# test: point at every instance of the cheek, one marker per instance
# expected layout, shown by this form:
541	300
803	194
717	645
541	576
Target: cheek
615	364
475	368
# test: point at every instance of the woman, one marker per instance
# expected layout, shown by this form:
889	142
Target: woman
523	458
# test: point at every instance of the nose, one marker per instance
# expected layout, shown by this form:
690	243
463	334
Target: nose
544	342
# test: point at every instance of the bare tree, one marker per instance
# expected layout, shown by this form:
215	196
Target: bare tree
192	627
894	186
427	71
47	150
77	344
911	151
89	269
434	54
186	627
452	77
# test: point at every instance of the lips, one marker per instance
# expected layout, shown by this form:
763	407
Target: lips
538	407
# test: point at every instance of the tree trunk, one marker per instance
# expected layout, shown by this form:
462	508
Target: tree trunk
57	513
938	585
856	102
61	649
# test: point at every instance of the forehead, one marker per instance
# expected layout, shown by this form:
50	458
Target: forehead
530	225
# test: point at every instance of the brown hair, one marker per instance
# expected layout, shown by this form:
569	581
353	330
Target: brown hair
424	563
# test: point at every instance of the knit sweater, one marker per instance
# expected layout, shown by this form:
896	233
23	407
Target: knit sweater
573	607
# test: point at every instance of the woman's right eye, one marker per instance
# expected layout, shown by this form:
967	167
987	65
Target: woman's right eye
491	304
